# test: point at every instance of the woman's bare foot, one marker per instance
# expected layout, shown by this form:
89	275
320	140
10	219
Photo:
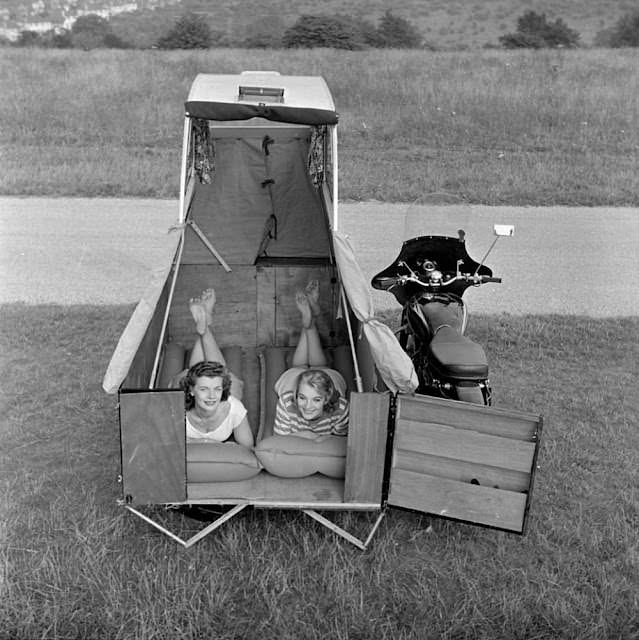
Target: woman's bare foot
199	313
202	310
312	294
303	304
208	300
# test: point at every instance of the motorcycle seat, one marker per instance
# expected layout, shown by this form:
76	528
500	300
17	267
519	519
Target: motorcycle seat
456	356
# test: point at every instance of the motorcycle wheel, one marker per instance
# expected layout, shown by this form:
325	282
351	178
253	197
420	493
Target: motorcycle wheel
471	393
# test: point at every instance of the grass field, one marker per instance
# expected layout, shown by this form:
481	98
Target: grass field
491	127
74	565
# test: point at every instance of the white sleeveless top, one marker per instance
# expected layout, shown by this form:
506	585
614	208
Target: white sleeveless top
237	413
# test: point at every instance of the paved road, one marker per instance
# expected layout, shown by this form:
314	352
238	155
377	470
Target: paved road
103	251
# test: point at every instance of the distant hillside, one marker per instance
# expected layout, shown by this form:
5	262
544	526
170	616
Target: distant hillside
445	24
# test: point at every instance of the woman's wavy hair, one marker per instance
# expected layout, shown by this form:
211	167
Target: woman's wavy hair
206	369
323	383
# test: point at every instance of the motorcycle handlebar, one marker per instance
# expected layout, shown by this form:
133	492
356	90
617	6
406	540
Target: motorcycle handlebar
468	277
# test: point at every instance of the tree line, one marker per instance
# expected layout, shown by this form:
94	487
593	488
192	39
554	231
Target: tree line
190	31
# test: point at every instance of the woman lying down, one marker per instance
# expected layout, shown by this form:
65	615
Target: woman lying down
214	410
311	396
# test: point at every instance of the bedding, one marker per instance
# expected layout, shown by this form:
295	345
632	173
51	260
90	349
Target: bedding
220	462
296	457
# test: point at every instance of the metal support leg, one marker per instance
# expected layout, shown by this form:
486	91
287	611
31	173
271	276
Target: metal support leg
341	532
237	508
198	536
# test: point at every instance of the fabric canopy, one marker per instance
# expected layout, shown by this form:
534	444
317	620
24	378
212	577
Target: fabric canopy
138	324
391	360
251	189
277	113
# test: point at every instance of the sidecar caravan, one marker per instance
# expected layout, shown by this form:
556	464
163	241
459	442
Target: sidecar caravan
257	220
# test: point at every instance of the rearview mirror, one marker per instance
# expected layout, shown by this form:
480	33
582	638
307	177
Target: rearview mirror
500	230
504	229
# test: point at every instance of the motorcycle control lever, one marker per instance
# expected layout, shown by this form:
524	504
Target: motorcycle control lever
401	263
468	277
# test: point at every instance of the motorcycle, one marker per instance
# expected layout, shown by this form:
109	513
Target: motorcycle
428	278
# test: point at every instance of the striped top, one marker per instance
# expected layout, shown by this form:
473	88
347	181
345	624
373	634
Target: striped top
288	420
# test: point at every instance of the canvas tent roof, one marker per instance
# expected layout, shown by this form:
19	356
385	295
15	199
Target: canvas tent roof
234	210
303	99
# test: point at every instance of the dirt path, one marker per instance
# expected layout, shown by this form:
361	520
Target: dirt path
103	251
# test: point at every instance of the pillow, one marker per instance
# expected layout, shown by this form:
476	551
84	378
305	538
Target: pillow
296	457
220	462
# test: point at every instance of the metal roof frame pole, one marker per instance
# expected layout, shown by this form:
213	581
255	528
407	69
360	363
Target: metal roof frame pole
165	319
335	176
185	150
351	340
351	337
181	226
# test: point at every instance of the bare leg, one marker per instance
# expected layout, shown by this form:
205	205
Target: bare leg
205	347
316	355
300	356
309	350
312	294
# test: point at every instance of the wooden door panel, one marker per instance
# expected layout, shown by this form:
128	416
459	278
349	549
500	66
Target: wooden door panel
464	461
467	445
451	499
153	443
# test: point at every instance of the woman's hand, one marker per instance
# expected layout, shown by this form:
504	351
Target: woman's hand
243	434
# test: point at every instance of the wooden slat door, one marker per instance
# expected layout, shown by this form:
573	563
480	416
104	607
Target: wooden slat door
153	444
464	461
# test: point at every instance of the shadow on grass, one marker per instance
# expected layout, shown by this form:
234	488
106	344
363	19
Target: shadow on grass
74	565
